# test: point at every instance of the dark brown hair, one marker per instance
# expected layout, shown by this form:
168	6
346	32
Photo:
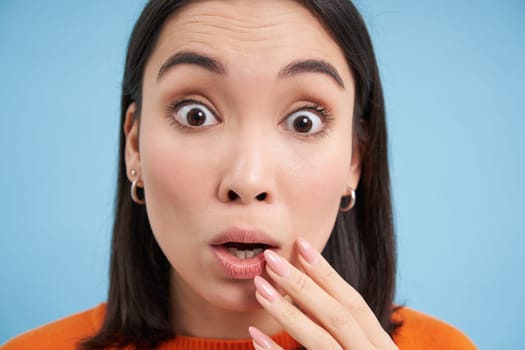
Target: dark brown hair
361	246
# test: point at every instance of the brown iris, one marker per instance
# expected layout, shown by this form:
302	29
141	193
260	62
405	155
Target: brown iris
196	117
302	124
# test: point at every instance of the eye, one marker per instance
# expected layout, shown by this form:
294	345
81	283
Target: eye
193	114
304	122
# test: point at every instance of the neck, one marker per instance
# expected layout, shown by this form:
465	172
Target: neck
195	316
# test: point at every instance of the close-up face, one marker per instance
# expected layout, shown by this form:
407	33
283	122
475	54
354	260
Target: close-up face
244	141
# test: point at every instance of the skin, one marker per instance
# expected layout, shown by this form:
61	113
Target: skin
249	148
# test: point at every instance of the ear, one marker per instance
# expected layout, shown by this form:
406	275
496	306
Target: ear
354	173
131	150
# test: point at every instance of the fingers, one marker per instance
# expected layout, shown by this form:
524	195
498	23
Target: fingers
333	313
297	324
336	325
320	271
261	341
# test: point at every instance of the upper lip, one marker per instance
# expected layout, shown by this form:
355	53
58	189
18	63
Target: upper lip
238	235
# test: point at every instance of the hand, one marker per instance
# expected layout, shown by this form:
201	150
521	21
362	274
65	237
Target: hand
332	314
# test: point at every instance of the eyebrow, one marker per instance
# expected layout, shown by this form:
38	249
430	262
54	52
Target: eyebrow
312	66
216	66
189	57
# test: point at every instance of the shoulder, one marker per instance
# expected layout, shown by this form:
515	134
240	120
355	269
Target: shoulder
62	334
420	331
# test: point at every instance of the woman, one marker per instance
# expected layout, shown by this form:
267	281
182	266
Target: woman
253	138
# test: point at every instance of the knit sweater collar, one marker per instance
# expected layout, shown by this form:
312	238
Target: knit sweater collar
195	343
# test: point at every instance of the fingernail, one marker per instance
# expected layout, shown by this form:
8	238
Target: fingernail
307	251
260	338
265	289
276	263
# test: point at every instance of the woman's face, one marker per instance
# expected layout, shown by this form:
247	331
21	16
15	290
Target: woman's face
244	142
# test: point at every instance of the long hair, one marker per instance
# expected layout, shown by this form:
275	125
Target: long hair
362	244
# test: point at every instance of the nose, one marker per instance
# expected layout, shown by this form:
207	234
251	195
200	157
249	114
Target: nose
248	173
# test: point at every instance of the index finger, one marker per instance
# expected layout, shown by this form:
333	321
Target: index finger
319	270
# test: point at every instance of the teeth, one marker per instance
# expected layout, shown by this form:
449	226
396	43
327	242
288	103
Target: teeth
257	251
245	254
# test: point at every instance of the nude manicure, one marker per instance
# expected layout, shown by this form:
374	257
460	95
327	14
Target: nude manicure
307	251
265	289
276	263
260	338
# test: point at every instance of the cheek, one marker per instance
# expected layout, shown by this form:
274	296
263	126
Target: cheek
177	183
170	179
318	195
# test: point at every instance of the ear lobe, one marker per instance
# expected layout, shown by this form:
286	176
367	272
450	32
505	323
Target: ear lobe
131	133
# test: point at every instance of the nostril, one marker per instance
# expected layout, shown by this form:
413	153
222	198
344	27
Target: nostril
232	195
261	196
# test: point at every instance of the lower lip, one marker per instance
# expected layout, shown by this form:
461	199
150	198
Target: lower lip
239	268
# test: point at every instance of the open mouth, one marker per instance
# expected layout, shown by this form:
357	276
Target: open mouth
239	252
245	250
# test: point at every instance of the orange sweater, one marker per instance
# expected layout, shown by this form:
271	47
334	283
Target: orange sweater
418	332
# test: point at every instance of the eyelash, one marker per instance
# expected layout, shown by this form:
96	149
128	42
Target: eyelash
321	111
175	106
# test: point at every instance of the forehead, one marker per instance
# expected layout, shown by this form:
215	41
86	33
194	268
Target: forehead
254	35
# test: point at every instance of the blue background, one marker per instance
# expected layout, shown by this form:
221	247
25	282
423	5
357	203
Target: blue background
453	74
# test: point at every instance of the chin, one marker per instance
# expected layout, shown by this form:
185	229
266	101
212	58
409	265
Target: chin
238	297
241	306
